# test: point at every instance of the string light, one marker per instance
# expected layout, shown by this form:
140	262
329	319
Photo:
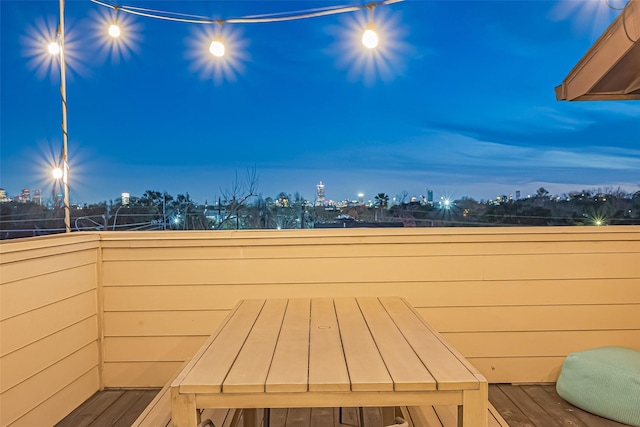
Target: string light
114	31
216	48
54	48
370	38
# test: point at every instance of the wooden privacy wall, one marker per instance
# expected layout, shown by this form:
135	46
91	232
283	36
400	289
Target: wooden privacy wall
515	301
49	339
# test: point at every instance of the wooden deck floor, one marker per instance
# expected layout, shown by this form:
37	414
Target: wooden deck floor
521	406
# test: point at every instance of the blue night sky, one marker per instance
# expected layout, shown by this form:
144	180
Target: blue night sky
459	99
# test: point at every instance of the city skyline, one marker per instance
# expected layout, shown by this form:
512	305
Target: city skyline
463	103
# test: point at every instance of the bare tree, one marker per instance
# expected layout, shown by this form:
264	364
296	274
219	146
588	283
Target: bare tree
402	197
236	196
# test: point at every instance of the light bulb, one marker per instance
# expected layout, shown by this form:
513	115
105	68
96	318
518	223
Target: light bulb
114	31
54	48
57	173
216	48
370	38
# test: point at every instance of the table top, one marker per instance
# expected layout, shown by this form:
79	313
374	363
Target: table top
326	345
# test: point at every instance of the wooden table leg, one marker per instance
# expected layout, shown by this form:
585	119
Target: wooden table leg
388	415
475	407
183	409
250	417
266	417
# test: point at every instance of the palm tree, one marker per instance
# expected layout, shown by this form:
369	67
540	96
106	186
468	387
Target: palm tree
382	201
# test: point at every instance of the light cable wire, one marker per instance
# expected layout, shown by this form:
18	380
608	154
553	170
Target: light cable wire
253	19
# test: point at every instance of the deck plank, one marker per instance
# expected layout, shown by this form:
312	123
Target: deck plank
535	413
591	420
322	417
132	414
91	409
95	412
125	403
509	411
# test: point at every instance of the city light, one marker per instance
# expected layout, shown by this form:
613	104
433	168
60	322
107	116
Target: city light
598	220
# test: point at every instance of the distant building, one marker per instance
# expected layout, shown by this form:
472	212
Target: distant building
3	196
56	197
430	197
25	196
517	194
125	199
37	197
320	197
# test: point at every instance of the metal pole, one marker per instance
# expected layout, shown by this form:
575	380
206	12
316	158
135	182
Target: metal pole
65	135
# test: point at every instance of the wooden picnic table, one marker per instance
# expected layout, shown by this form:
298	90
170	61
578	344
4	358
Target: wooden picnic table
324	352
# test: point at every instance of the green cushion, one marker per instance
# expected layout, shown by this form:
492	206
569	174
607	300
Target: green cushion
604	381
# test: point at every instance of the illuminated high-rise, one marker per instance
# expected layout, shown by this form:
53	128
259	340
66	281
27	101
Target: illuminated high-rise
320	193
37	197
25	196
3	196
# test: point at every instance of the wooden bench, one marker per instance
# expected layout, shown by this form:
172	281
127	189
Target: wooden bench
158	412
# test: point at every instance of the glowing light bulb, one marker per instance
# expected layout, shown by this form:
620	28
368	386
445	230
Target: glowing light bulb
57	173
114	31
370	38
54	48
216	48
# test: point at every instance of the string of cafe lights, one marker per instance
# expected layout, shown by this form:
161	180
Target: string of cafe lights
370	38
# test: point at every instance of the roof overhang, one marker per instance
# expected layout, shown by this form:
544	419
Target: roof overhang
610	70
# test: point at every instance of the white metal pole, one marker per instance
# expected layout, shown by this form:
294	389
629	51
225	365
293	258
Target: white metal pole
65	135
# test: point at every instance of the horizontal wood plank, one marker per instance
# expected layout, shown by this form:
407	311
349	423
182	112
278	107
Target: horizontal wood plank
420	293
20	399
29	267
162	323
542	344
36	357
58	405
148	349
27	328
533	318
30	293
138	374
